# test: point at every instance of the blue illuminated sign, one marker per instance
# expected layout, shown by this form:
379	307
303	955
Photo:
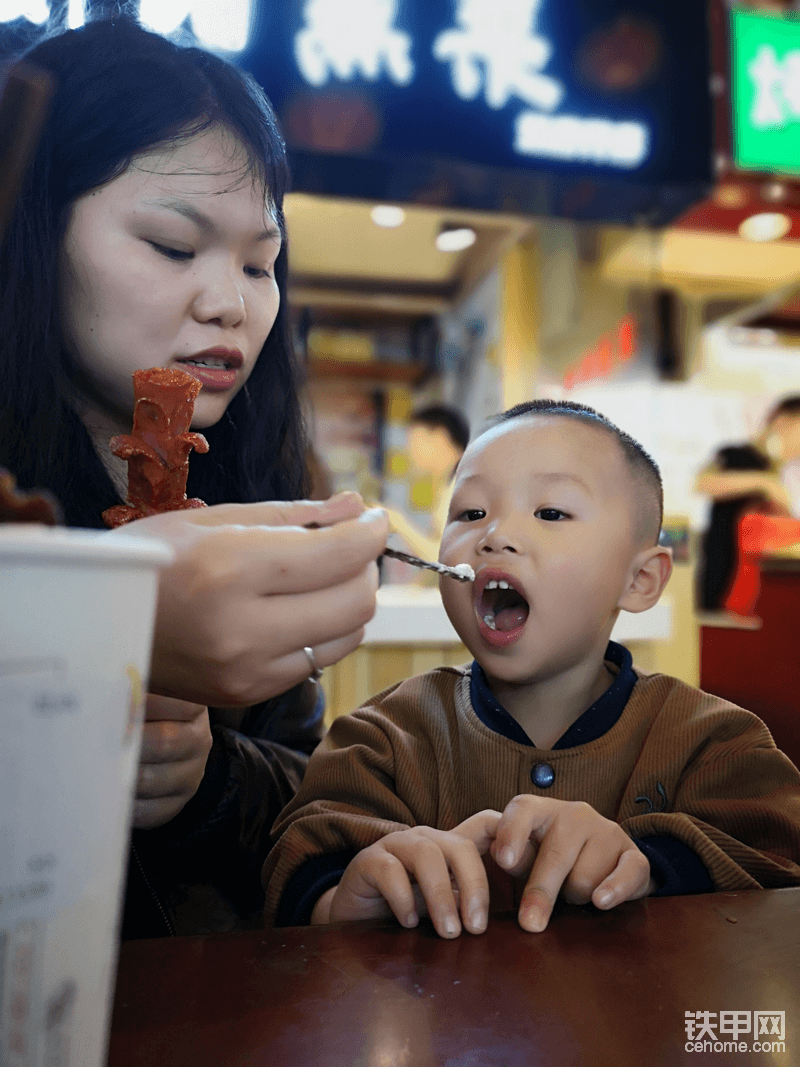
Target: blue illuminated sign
494	54
614	88
221	25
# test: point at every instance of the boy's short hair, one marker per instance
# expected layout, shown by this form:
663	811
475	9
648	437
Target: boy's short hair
444	417
641	464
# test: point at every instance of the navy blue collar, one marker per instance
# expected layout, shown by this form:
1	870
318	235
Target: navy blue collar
593	723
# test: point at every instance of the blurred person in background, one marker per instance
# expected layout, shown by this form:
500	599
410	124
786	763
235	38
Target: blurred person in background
437	437
747	479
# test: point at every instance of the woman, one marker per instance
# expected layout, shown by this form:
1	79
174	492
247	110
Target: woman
744	479
149	231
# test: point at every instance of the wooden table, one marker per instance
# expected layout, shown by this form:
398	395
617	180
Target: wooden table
594	990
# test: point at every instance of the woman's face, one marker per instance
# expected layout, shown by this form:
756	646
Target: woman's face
171	264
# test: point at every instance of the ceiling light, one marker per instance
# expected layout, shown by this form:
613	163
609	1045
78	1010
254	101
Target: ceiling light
766	226
730	196
774	191
388	215
455	238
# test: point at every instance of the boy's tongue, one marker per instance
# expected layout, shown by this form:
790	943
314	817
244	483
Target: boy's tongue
510	618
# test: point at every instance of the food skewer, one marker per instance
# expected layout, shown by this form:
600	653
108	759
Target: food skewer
462	572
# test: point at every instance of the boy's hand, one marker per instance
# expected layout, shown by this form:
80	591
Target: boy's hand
568	847
442	863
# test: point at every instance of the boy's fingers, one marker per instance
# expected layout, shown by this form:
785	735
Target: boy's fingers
480	829
429	866
596	863
629	880
526	819
472	884
385	874
554	861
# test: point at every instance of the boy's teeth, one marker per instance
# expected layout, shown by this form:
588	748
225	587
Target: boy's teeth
497	585
489	620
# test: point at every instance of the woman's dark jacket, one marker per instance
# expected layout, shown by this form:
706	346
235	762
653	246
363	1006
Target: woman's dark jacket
201	872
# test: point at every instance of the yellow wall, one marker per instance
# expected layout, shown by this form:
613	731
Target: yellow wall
680	656
372	668
519	321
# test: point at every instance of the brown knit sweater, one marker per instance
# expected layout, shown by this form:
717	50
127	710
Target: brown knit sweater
418	755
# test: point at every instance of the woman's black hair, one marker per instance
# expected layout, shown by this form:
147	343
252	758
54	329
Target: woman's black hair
119	91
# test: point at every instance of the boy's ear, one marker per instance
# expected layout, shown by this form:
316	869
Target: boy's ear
648	576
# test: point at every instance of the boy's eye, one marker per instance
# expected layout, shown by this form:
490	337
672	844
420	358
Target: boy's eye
471	515
551	514
172	253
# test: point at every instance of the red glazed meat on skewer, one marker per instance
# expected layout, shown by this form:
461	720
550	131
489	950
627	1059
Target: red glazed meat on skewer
157	449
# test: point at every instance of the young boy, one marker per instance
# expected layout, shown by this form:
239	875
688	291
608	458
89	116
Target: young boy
550	764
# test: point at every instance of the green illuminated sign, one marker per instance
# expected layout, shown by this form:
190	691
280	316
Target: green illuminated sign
766	91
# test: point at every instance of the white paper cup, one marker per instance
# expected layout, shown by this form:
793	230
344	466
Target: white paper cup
76	621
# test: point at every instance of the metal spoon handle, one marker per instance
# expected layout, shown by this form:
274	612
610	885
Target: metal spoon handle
415	561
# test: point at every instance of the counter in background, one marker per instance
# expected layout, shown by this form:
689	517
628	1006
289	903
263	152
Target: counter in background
409	614
411	633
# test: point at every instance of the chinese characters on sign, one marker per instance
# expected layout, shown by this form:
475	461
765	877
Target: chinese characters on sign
344	39
766	91
493	51
35	11
711	1031
493	83
223	25
776	99
495	45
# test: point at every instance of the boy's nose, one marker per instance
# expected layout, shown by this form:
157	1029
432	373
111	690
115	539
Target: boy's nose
500	538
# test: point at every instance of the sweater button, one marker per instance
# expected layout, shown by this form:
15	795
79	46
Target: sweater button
543	775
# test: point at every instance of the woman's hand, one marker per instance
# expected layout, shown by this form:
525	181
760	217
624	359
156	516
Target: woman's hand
176	741
251	586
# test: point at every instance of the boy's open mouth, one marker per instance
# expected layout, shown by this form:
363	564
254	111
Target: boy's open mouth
500	606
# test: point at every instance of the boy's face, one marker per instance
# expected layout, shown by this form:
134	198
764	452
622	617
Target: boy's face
546	505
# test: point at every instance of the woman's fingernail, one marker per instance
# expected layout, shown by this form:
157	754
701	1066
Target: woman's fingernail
507	857
605	897
411	919
450	926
